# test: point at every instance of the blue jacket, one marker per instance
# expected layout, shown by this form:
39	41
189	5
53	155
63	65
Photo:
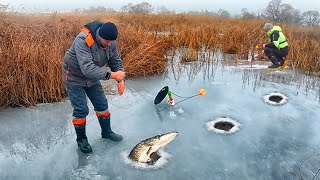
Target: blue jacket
84	65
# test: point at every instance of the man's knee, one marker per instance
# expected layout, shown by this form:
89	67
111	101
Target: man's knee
97	97
267	50
81	113
100	103
102	106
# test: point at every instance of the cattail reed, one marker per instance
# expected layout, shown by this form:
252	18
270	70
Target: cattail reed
32	47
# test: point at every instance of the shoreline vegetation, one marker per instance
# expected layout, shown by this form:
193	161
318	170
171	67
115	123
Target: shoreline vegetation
32	47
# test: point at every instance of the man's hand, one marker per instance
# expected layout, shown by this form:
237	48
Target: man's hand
262	52
121	87
118	76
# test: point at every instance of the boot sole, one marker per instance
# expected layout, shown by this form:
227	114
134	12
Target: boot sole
274	69
114	140
285	63
85	151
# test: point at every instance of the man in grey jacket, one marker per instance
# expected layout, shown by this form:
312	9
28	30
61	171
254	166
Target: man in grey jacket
94	48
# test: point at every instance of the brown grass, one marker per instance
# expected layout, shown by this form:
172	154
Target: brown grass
32	47
142	53
231	36
31	62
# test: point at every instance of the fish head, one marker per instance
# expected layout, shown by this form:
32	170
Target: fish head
142	152
161	140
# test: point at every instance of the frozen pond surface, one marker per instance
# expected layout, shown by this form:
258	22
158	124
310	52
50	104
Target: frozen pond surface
271	143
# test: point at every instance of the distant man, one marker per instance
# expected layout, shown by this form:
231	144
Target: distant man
84	65
277	49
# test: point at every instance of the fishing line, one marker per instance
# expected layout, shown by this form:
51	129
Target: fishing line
186	98
180	96
317	173
119	107
113	93
161	96
178	102
166	92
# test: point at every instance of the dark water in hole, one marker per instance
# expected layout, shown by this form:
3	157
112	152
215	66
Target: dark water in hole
275	98
226	126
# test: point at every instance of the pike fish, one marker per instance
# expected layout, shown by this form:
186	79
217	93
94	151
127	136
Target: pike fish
146	150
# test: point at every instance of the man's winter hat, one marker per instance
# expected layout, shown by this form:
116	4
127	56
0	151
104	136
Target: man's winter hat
268	26
108	31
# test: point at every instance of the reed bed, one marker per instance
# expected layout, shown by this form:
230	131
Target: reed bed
32	47
31	62
143	53
232	37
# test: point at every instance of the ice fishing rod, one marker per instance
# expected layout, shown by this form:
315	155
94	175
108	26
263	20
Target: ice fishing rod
166	92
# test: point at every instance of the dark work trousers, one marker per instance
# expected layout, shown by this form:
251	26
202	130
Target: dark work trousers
279	53
78	97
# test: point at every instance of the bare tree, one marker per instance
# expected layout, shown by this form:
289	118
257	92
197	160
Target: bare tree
245	14
311	18
110	10
203	12
224	13
77	10
142	8
289	15
278	12
164	10
4	7
272	11
98	9
297	17
126	8
3	10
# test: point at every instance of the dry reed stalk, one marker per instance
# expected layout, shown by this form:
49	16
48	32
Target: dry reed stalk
32	63
143	53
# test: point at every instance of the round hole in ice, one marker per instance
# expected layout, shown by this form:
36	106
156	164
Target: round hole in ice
223	125
159	163
275	98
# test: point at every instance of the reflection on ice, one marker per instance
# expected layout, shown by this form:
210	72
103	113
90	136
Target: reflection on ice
163	111
180	110
249	66
88	172
172	114
160	163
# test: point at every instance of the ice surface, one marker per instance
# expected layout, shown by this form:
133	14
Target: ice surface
39	142
180	110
